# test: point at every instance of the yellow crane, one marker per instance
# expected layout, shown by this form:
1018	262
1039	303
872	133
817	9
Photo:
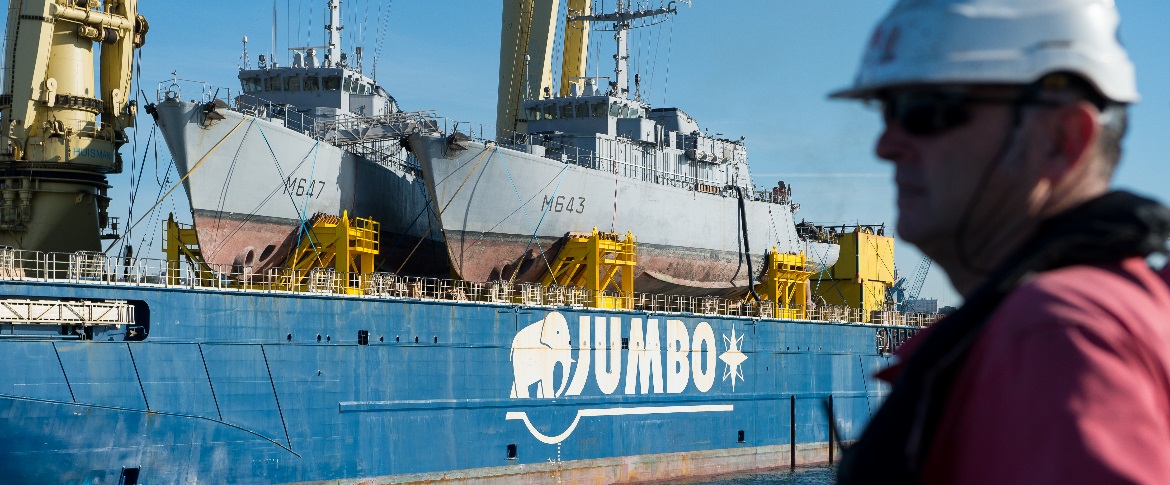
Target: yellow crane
526	52
60	131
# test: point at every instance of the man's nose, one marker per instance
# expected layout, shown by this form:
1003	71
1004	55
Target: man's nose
894	143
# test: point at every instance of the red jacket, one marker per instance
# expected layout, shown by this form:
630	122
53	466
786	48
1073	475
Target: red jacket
1068	383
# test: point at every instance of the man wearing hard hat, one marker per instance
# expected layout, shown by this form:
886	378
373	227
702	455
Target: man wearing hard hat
1004	122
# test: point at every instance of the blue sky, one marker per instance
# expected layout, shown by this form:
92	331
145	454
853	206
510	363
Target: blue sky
754	68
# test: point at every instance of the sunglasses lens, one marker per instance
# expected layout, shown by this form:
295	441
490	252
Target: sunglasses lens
926	114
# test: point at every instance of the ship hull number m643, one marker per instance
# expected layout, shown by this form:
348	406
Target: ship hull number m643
563	203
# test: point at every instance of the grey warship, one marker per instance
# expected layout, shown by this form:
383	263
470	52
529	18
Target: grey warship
600	158
317	136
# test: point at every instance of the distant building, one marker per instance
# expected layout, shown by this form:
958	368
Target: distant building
922	306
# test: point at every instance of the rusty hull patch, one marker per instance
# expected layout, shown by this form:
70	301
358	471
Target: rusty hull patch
661	269
228	239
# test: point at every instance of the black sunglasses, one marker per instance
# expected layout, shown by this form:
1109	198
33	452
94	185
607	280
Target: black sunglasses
928	113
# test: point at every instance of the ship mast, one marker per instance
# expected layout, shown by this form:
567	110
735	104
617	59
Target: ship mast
333	33
622	19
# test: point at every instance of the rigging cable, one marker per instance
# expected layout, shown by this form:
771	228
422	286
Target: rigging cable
381	36
365	21
426	208
638	61
223	193
478	160
312	181
561	178
136	181
253	212
657	34
200	162
527	219
161	186
158	199
275	16
613	223
136	59
517	209
300	215
287	31
669	49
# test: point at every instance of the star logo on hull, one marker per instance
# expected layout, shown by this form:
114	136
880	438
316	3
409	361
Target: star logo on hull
733	357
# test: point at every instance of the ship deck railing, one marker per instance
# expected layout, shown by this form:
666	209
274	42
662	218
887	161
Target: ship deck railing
590	159
375	138
328	130
202	92
393	126
384	149
573	155
285	115
99	269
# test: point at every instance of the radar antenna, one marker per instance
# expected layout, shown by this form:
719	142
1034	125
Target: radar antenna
622	20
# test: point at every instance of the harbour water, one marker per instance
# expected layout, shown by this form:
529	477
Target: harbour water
818	475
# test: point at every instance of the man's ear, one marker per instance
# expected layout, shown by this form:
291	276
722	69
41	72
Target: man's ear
1074	135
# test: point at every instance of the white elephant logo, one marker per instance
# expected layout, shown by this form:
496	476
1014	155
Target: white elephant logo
536	351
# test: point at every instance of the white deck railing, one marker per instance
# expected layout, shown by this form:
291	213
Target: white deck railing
99	269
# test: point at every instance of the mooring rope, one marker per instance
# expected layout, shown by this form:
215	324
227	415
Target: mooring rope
177	184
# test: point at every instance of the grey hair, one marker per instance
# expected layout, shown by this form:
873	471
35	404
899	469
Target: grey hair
1113	117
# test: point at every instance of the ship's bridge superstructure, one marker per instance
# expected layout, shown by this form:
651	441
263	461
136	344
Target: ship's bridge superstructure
319	91
608	129
661	145
324	89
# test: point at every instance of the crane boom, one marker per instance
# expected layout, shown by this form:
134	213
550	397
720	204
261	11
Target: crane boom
919	278
576	48
526	48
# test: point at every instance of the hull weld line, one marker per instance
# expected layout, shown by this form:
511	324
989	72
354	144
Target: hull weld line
63	373
275	395
157	413
634	411
138	376
206	372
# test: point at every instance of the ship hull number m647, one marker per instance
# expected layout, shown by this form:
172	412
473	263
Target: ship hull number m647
304	187
563	203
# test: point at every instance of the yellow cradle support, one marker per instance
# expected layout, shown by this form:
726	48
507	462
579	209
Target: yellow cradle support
862	275
602	263
785	284
181	244
336	255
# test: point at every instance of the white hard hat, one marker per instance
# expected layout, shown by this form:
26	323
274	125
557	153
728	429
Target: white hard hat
996	42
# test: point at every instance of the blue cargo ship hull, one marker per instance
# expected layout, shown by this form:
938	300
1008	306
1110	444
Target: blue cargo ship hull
270	387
